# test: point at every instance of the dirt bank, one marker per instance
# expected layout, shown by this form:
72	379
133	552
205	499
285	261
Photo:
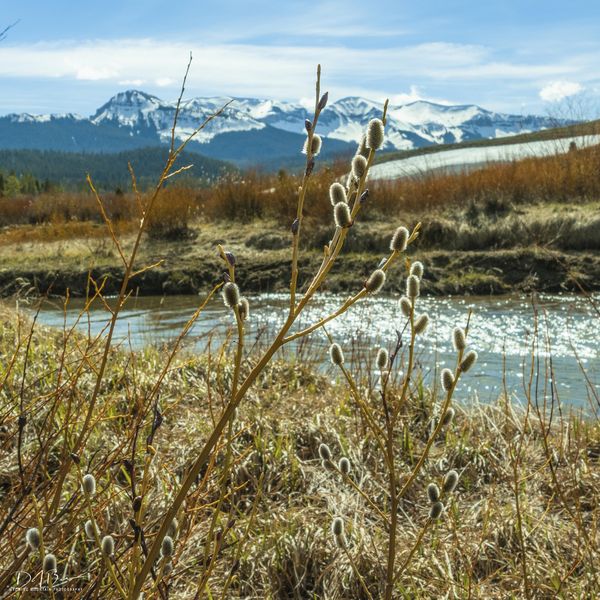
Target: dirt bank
456	272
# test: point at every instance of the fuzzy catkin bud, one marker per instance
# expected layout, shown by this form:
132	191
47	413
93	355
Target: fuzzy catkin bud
433	492
344	466
375	281
244	308
413	286
383	359
458	339
447	379
336	355
324	452
49	563
90	529
337	193
89	484
362	149
231	294
450	482
337	527
167	569
167	547
448	417
315	146
468	361
33	538
437	508
359	166
421	323
108	545
341	215
173	528
416	269
399	240
375	134
323	101
405	306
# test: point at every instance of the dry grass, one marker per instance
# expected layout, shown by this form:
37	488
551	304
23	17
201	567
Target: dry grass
274	522
495	189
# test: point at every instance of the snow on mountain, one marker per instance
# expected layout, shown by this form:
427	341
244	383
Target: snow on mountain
145	119
463	157
410	125
29	118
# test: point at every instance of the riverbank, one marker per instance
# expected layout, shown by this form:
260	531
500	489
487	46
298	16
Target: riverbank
547	249
523	494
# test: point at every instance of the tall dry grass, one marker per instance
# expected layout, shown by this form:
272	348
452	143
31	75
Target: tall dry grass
572	177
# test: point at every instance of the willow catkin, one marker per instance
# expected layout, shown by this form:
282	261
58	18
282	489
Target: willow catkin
108	545
421	323
336	355
337	526
337	193
49	563
375	134
362	149
315	147
405	306
448	417
244	308
459	339
173	528
450	482
433	492
33	538
344	466
437	508
167	547
416	269
375	281
383	359
468	361
359	166
324	452
447	379
231	294
399	240
89	484
342	215
413	287
91	530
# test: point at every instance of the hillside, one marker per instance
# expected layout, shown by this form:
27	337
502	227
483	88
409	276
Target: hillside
107	170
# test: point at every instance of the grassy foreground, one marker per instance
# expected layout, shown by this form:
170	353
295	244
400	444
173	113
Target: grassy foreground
526	505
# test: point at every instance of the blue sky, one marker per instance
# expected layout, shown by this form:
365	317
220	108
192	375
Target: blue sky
525	56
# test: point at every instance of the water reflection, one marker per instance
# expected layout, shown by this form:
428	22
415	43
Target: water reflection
501	330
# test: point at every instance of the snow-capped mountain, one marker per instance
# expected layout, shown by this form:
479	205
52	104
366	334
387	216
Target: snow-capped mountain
254	131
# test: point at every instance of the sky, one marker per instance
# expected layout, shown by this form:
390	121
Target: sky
524	56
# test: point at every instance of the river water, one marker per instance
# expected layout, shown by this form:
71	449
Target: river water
502	330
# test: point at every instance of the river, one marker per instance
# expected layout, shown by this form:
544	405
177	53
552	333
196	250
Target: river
502	330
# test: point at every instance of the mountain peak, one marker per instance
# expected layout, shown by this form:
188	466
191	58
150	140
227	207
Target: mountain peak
133	117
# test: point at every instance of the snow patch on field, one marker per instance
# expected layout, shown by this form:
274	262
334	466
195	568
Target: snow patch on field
452	159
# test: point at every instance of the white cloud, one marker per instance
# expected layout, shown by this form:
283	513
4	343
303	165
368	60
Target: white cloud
413	95
559	90
94	73
240	69
134	82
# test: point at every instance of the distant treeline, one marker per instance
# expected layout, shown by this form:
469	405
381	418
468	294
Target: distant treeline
33	171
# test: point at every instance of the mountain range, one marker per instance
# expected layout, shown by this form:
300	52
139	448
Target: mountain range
256	132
